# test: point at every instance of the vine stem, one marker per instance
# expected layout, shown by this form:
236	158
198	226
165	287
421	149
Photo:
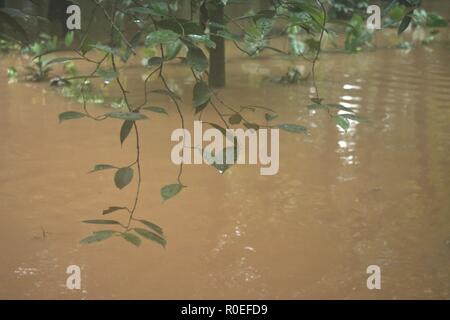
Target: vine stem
313	68
138	146
180	113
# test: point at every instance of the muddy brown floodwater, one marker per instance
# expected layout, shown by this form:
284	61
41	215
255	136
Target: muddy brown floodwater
376	195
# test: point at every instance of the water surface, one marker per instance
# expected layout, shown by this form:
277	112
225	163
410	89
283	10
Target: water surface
376	195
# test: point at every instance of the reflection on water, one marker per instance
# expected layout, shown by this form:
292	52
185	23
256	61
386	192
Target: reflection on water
376	194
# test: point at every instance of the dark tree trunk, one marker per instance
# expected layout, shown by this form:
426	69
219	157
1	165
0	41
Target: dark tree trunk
217	55
58	16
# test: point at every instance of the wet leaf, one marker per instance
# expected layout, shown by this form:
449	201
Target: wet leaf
152	226
197	59
61	60
69	115
253	126
98	236
315	106
156	109
216	126
192	27
112	209
293	128
342	122
99	167
107	75
123	177
154	61
155	7
161	37
172	49
68	40
140	10
11	73
19	33
201	95
228	35
132	116
131	238
166	93
316	100
101	221
225	154
354	117
405	23
270	117
338	107
104	48
203	39
170	190
151	236
235	119
436	21
125	130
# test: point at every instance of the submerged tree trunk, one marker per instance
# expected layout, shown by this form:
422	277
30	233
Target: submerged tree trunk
217	55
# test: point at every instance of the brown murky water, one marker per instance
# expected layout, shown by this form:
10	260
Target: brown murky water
376	195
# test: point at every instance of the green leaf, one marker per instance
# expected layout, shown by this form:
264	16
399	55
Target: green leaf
131	116
197	59
235	118
201	94
342	122
61	60
166	93
293	128
228	35
68	40
225	154
131	238
216	126
152	226
195	38
112	209
125	130
156	109
15	28
170	190
269	117
339	107
155	7
107	75
405	23
151	236
315	106
354	117
154	61
99	167
98	236
101	221
253	126
436	21
161	37
11	73
172	49
104	48
140	10
69	115
123	177
170	24
264	25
